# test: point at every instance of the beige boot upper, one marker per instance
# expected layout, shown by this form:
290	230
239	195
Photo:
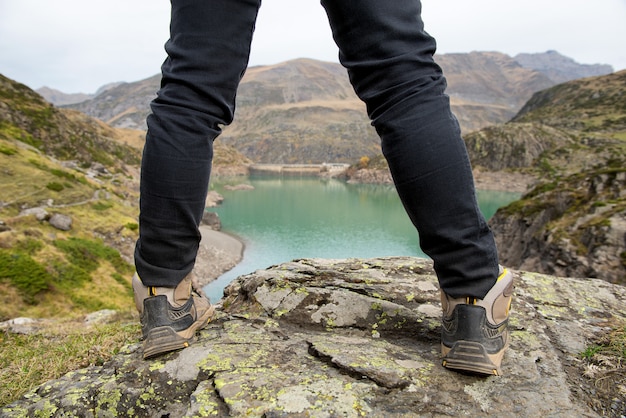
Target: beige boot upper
176	296
497	302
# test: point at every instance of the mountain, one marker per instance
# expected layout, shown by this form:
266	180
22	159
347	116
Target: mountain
560	68
305	111
561	130
122	105
302	111
62	134
488	87
59	98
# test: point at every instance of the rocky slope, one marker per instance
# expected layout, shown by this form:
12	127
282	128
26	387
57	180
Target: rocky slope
326	338
305	111
573	137
571	227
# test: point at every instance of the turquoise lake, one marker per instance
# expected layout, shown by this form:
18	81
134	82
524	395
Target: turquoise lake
287	218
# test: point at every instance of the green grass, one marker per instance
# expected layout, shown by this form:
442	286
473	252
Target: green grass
87	254
612	343
61	278
23	272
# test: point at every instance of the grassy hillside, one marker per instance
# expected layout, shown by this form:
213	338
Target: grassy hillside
46	272
63	163
594	106
65	135
567	129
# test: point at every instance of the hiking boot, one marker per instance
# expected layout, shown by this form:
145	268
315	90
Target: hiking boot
170	316
474	331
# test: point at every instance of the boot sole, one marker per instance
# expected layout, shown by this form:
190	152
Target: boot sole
472	357
164	339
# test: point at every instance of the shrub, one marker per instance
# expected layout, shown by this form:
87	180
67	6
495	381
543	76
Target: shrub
54	186
7	151
100	206
133	226
87	254
70	275
27	275
30	246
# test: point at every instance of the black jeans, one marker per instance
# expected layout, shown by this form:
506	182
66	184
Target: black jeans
389	58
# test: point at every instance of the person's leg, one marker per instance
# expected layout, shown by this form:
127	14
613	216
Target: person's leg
208	53
389	58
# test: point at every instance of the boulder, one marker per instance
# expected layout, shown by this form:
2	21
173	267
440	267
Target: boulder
61	222
213	199
212	220
351	338
39	213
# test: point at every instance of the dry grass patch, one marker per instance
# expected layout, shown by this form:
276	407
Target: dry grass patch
27	361
605	372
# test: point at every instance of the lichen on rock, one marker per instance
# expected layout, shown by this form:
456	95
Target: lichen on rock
353	338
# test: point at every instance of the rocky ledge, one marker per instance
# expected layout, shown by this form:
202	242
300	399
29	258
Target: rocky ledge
357	337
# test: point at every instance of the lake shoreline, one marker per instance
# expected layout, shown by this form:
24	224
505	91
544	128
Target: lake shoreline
484	180
219	253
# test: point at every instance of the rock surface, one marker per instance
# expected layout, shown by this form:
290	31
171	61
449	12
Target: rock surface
572	227
356	337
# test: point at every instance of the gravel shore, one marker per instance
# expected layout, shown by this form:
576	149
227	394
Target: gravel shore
218	253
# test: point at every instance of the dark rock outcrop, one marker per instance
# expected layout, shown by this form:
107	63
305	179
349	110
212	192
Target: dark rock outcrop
573	227
513	145
327	338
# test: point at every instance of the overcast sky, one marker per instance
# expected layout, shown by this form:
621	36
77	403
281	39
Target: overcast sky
80	45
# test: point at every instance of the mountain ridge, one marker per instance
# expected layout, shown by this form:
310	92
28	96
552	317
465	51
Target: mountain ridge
560	68
305	111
